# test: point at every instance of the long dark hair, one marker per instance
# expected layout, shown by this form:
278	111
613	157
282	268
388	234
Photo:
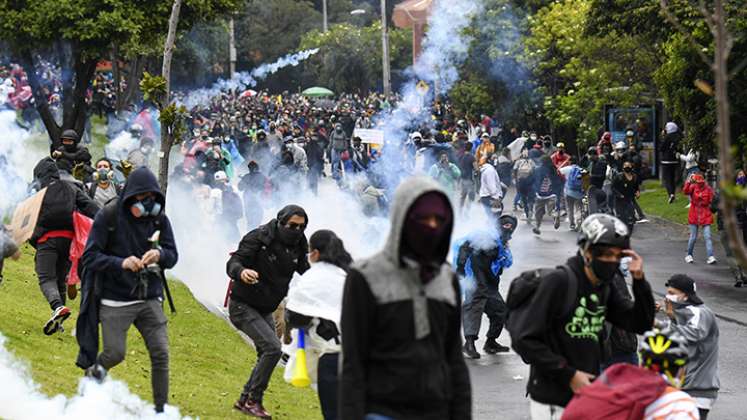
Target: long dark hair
331	249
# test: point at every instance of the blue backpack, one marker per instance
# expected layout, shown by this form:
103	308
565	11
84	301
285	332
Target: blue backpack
574	182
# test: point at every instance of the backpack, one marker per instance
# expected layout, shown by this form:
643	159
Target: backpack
524	169
521	291
574	182
622	392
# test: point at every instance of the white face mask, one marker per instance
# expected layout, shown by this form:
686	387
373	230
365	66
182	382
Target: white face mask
672	297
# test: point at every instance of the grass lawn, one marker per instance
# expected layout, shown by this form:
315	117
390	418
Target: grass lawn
210	362
653	201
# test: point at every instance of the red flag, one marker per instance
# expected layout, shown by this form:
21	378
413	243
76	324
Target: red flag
82	227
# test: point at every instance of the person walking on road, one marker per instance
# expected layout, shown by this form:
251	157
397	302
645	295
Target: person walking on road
261	270
401	319
696	322
491	191
699	216
556	317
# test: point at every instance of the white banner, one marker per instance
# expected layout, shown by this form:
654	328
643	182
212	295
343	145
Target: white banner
369	136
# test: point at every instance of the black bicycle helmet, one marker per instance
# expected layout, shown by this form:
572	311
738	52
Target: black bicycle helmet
664	351
70	134
605	230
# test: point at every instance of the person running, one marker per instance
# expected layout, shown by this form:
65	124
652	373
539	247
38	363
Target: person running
557	328
260	272
689	316
130	243
401	319
467	168
574	192
53	235
524	169
491	191
668	157
650	391
699	216
480	260
315	305
548	186
625	187
103	188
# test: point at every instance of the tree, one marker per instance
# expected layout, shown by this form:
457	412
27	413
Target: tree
79	33
350	56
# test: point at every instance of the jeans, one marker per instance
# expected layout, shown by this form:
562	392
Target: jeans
467	190
327	381
542	204
694	236
524	189
573	205
52	267
261	329
484	299
150	320
335	158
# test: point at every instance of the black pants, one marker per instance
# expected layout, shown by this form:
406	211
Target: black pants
488	300
625	210
669	176
703	413
52	267
327	380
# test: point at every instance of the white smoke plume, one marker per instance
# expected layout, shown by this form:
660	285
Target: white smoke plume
21	399
245	80
17	160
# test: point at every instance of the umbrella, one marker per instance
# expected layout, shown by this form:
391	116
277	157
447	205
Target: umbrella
249	93
316	92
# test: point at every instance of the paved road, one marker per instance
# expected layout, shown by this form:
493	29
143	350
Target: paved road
498	382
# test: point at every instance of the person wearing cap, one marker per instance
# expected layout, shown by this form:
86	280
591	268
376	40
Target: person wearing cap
668	157
561	159
696	322
260	271
484	150
69	152
700	216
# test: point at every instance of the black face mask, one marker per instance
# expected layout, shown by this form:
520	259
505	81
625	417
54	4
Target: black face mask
288	236
628	169
604	270
70	147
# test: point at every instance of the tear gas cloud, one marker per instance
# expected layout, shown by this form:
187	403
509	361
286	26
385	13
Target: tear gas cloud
17	162
244	80
22	400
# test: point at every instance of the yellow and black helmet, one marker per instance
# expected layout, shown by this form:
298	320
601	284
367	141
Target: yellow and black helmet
664	351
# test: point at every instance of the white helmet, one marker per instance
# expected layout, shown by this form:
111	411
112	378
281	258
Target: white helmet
415	135
220	176
620	145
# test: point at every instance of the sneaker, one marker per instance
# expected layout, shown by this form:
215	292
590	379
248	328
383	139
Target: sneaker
492	347
687	206
643	220
284	358
96	372
536	231
573	227
469	350
711	260
59	316
738	283
557	222
252	408
671	199
689	259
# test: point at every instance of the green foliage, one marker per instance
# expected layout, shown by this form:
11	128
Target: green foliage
209	361
350	57
153	88
471	98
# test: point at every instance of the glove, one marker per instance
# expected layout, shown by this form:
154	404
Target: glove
126	167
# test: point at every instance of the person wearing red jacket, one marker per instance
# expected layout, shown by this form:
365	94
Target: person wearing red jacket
561	158
700	215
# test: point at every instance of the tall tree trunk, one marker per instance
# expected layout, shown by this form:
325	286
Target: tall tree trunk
167	137
40	99
726	168
117	76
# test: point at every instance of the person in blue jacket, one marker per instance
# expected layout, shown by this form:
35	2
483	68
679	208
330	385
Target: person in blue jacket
480	259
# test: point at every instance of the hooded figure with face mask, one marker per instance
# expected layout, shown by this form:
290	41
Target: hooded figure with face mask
53	235
401	318
261	270
70	150
561	340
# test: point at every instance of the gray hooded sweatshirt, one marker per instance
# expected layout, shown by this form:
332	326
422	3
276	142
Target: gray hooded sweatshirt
697	323
401	340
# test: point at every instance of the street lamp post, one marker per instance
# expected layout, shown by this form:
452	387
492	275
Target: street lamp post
324	14
385	49
231	48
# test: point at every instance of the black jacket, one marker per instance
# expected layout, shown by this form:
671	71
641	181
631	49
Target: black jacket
106	250
261	251
558	344
668	147
60	201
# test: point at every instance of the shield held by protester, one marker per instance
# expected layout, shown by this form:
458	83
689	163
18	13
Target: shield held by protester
25	217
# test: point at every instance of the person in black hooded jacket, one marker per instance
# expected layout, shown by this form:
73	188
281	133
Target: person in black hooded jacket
261	270
401	319
127	256
53	235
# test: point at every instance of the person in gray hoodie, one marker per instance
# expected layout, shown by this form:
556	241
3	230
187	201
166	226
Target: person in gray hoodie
401	319
690	317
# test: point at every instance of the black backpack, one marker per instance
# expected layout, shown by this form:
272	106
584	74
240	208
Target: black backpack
521	291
